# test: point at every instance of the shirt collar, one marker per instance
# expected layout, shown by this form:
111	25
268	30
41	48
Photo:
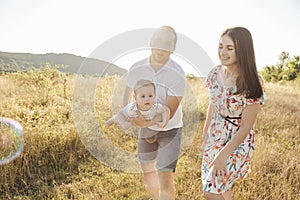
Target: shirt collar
164	68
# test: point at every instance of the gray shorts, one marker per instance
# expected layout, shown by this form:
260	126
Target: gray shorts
162	146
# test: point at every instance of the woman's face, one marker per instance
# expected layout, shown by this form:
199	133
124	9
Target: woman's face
227	54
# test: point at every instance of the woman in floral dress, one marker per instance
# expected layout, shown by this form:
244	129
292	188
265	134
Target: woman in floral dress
236	92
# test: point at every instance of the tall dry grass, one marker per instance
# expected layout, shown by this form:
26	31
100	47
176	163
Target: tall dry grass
56	164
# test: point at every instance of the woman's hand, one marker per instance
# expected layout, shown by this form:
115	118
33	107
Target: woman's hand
219	167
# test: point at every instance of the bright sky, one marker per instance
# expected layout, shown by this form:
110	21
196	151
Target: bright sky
80	26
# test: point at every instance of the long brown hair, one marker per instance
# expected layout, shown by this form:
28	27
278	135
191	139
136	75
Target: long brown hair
248	82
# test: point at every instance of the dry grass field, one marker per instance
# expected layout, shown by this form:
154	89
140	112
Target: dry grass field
70	154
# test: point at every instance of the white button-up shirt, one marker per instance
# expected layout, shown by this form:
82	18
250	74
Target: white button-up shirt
169	80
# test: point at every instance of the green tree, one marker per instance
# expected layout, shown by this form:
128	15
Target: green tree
286	69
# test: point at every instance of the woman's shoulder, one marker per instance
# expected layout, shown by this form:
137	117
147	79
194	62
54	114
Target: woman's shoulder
218	68
212	76
215	70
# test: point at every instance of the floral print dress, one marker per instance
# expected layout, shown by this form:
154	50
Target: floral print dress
221	131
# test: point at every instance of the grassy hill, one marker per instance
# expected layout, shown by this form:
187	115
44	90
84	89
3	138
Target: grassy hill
69	63
55	164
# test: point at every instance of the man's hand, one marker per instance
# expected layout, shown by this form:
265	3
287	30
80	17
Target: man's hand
140	121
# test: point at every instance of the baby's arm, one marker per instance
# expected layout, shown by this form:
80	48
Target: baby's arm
111	121
120	119
165	116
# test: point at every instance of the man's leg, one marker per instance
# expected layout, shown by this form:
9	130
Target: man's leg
167	186
151	179
168	152
147	153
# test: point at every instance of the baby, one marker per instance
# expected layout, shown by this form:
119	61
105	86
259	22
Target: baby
145	103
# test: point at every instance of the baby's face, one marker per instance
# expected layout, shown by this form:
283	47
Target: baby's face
145	97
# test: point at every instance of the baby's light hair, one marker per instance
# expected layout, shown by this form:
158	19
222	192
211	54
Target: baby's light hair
142	83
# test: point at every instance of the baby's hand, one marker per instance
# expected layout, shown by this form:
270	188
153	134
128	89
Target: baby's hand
111	121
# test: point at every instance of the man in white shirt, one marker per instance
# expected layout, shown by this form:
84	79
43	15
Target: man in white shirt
159	158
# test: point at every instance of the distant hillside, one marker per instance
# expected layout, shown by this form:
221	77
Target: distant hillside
71	63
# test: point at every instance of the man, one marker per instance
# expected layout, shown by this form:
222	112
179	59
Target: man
159	157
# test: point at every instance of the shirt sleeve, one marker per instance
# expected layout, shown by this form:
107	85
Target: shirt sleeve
131	110
160	108
138	71
176	86
209	78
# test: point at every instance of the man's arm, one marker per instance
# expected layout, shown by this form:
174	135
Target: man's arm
173	103
164	115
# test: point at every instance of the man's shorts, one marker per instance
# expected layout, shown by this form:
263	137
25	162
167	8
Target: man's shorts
162	146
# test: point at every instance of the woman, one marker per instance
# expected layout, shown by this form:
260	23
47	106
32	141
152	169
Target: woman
235	95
